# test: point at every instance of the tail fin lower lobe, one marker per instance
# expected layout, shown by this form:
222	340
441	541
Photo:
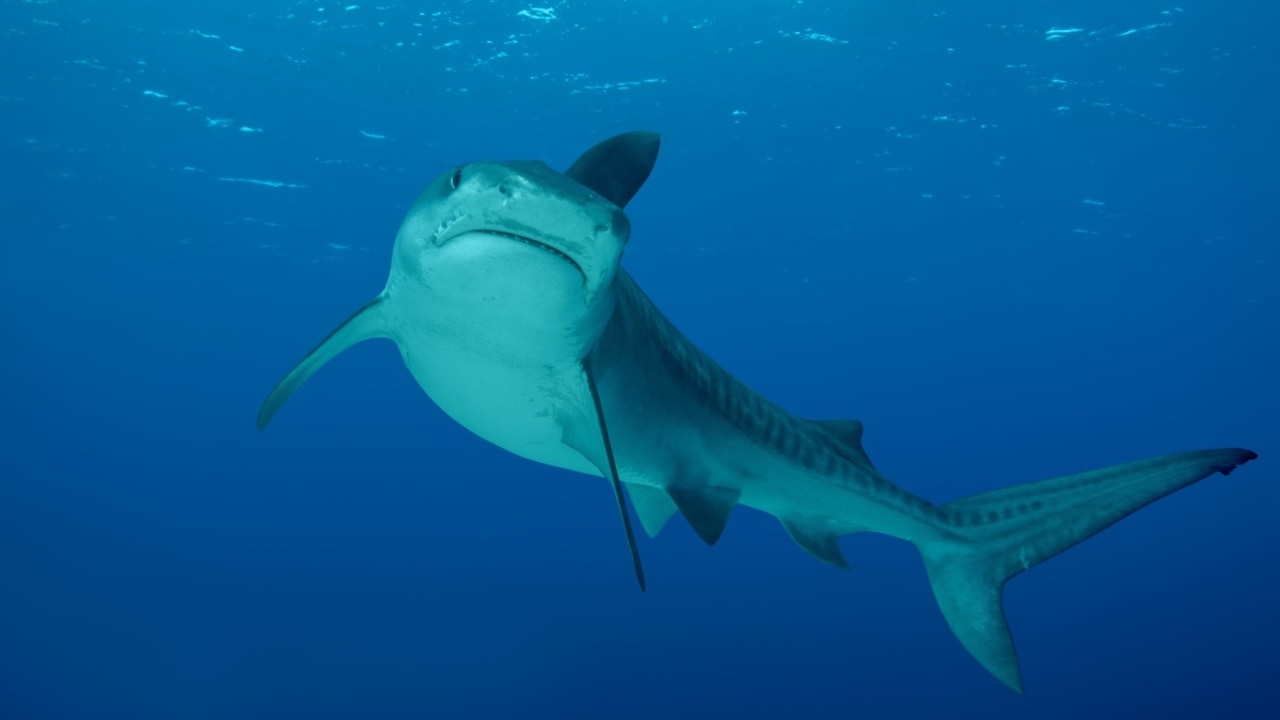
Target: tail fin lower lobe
987	539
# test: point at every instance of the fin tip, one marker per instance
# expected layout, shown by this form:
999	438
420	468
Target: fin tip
271	405
1244	457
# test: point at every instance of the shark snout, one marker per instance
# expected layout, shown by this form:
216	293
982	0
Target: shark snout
518	202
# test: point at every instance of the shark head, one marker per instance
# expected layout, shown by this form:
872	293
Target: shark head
514	224
509	260
502	280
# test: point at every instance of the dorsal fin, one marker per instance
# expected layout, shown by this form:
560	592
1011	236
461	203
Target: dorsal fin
617	167
849	433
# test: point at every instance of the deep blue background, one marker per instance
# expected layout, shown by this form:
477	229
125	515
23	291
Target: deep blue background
1013	255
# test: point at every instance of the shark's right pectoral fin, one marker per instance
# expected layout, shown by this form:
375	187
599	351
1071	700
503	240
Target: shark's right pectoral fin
364	324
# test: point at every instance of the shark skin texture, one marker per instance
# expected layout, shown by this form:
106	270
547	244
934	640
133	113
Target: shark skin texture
509	305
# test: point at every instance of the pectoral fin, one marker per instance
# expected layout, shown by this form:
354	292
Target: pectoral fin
610	471
364	324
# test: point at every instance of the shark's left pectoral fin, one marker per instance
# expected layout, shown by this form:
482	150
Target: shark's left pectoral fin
599	451
364	324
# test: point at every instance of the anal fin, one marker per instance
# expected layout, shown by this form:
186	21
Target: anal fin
706	508
818	539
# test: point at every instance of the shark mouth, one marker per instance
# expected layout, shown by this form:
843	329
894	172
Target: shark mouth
541	246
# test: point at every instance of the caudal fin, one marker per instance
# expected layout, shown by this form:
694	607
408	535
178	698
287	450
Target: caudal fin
987	539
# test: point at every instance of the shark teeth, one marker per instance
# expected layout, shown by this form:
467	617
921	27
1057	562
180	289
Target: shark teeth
445	225
541	246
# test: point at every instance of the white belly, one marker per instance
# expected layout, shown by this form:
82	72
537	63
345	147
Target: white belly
493	331
514	407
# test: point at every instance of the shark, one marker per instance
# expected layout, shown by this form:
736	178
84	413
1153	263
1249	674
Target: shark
510	307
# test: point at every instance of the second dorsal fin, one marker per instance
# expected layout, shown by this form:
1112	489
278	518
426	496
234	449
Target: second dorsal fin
849	433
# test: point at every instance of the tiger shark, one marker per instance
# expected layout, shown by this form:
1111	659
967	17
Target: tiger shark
509	305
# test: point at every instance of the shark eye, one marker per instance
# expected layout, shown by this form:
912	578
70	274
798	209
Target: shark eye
456	179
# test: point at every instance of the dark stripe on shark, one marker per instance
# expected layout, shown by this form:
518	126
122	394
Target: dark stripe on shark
798	440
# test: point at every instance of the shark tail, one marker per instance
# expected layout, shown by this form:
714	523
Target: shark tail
989	538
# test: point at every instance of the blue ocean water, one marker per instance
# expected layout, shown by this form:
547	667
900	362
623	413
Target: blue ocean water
1016	239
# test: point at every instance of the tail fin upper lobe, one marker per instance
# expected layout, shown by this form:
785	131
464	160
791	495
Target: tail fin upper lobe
992	537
